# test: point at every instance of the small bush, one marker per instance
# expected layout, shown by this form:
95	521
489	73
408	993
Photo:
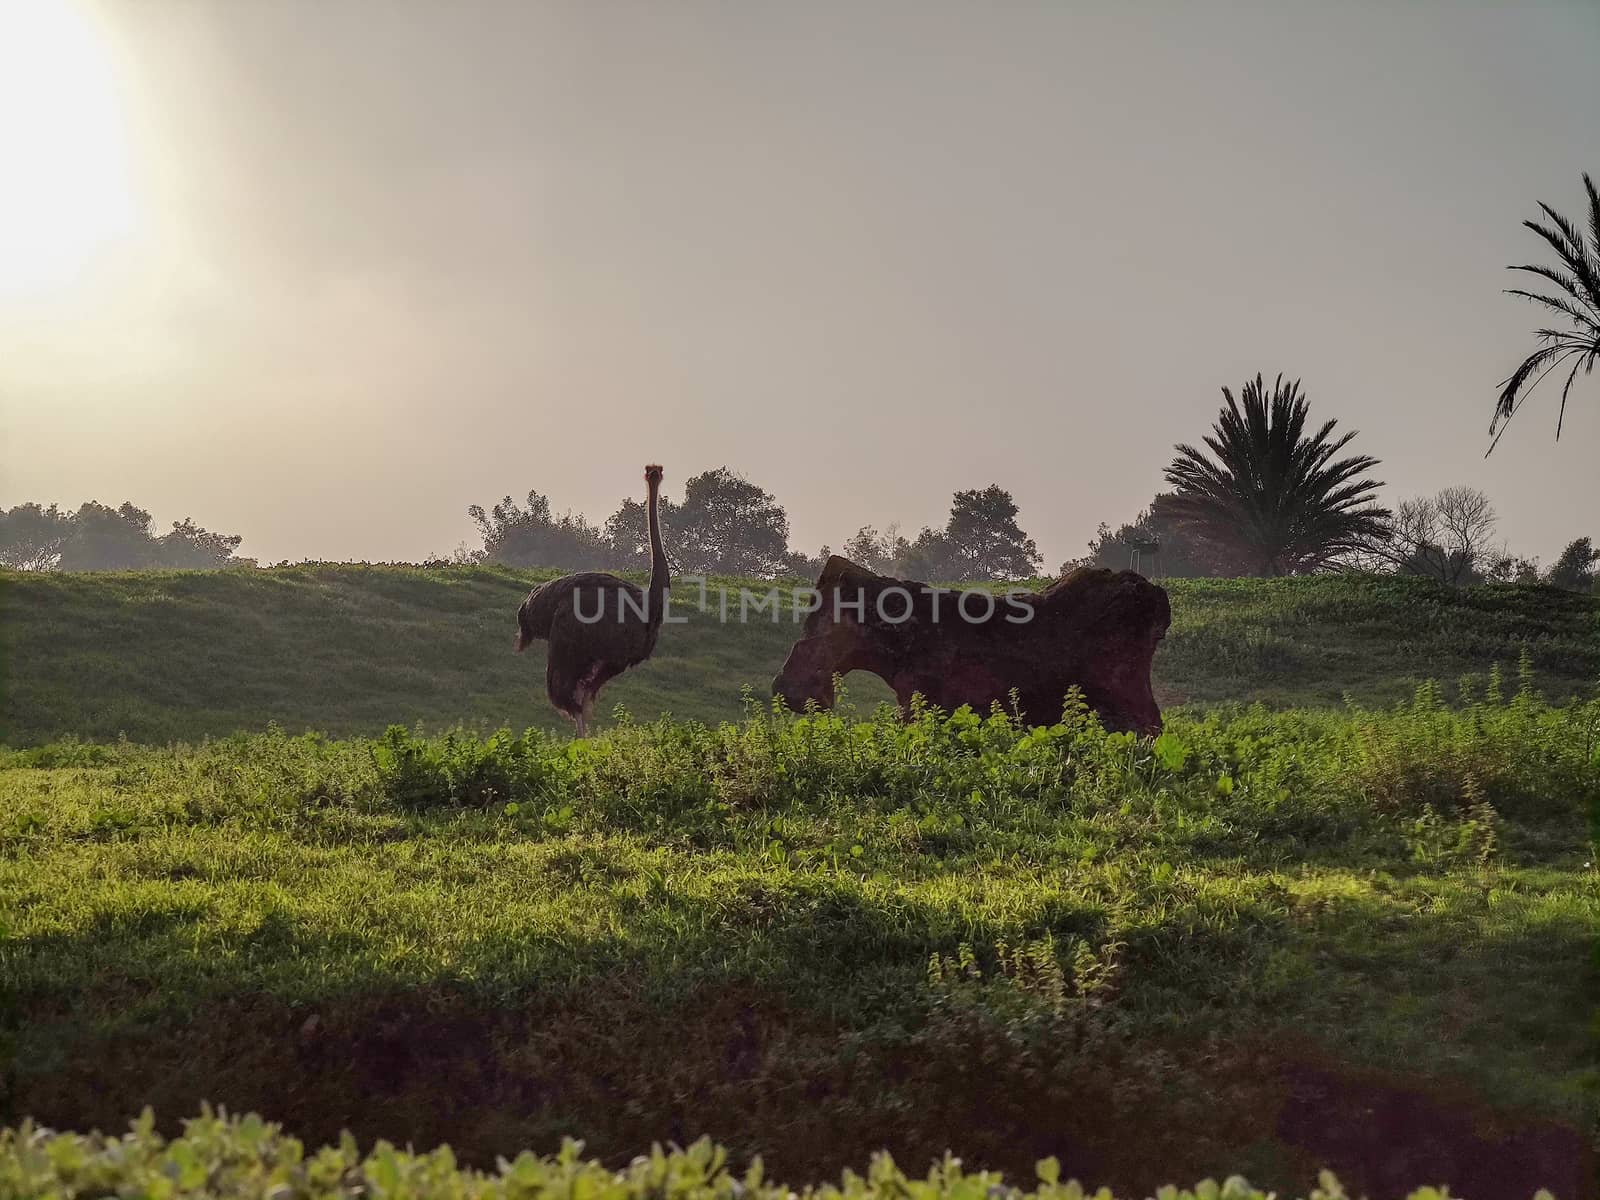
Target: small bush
458	768
233	1158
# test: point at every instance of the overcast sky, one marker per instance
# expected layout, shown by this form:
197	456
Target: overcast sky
325	273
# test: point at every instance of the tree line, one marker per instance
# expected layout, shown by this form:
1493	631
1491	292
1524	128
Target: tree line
97	537
722	525
1448	536
726	525
1269	495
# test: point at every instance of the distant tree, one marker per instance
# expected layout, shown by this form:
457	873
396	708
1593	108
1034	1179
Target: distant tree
1575	569
1447	536
190	547
108	539
1512	568
981	540
100	538
1272	494
797	564
31	537
928	556
627	533
1576	305
727	525
984	539
1182	553
885	552
533	537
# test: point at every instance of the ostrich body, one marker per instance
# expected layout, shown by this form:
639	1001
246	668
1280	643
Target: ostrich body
597	624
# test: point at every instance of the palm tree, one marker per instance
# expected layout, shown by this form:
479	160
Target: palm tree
1578	304
1273	498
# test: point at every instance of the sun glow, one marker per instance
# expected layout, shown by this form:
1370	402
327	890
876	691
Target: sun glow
64	179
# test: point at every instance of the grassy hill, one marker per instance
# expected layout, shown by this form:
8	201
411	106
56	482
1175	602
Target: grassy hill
160	656
1224	949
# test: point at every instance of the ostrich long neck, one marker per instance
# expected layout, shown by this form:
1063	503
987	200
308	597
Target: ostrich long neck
659	579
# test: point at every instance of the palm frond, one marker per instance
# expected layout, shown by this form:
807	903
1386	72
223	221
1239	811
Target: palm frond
1510	401
1572	254
1569	231
1578	276
1566	281
1594	209
1565	307
1561	414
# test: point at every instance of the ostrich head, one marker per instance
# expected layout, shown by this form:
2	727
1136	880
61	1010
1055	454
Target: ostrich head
652	475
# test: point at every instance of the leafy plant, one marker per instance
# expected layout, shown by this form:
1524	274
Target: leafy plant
224	1157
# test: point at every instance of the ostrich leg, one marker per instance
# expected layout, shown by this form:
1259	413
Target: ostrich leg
585	715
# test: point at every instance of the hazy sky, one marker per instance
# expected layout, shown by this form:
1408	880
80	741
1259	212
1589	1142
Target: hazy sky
325	273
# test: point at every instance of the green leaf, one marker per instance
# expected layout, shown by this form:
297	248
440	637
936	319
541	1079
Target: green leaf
1170	751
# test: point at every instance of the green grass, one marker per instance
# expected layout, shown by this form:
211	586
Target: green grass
1220	951
164	656
810	938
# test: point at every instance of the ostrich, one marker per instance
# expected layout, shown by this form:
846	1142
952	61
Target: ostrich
597	624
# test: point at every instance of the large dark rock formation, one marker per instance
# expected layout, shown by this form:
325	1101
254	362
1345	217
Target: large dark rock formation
1093	629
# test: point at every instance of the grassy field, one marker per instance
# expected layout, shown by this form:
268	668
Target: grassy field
164	656
1218	952
1300	933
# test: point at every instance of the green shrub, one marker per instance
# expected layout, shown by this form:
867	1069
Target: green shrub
245	1158
1306	775
458	768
